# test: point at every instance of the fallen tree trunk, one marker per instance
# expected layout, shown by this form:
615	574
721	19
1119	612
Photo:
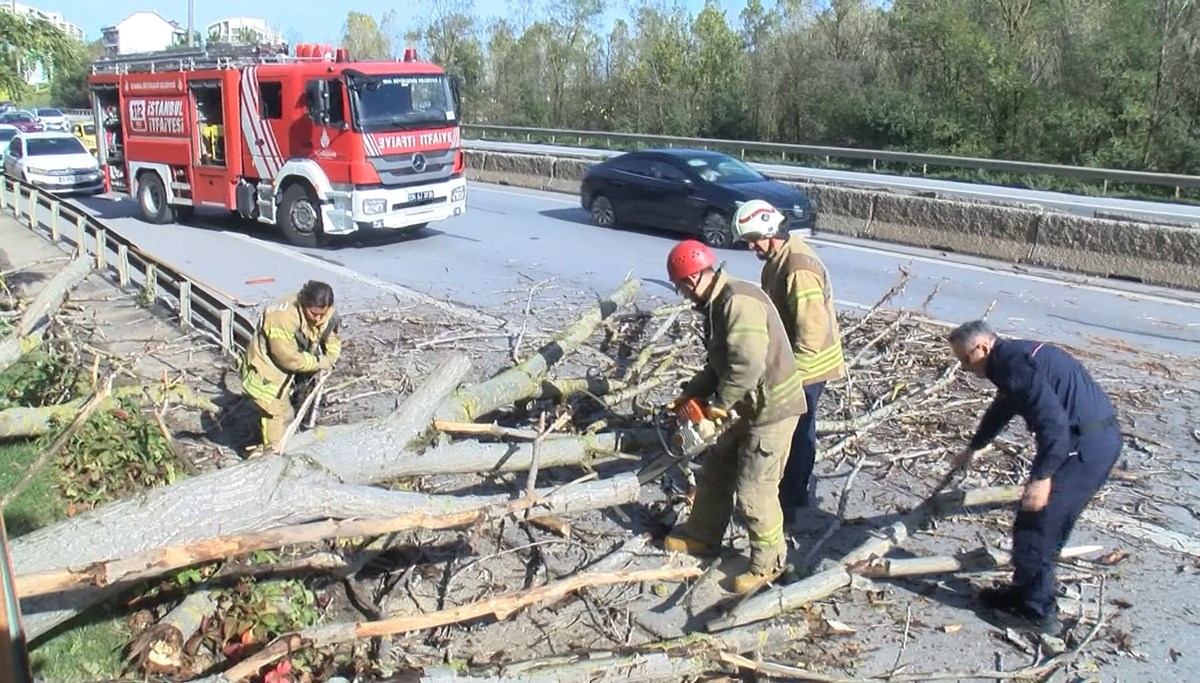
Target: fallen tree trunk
252	496
501	606
670	660
159	649
780	599
980	558
524	380
34	422
426	512
29	330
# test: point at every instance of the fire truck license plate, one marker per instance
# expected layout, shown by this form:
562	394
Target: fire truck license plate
420	196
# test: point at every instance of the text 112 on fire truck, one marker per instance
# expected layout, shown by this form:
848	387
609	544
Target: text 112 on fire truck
313	142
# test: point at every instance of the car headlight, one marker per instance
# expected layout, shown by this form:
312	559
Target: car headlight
38	171
374	206
458	194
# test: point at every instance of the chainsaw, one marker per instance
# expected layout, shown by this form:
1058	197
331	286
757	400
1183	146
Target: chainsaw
693	434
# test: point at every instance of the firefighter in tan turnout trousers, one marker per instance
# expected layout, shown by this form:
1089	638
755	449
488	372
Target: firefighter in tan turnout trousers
798	284
750	369
297	336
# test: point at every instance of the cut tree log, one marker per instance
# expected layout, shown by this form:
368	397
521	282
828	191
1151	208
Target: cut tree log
501	606
159	649
781	599
979	558
34	319
525	380
425	512
252	496
34	422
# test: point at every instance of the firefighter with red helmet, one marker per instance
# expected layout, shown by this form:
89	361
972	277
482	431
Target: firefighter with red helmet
750	369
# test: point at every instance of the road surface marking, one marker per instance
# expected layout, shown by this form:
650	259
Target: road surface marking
535	194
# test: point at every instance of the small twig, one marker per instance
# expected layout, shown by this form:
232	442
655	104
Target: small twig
308	401
841	515
903	643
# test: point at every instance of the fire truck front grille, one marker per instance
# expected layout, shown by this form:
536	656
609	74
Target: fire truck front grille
401	169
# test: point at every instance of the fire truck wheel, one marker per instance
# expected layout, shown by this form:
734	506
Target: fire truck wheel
183	212
300	217
152	197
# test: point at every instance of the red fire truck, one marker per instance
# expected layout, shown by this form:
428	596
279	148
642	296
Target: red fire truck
313	142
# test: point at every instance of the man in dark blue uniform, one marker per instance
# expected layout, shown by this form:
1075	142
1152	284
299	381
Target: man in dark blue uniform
1078	442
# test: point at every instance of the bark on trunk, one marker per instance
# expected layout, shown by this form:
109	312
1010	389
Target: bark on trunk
34	422
780	599
29	329
980	558
251	496
524	380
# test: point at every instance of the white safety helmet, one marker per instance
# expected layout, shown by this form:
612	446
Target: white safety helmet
757	219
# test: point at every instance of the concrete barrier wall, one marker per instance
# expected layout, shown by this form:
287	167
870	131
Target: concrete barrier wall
1151	253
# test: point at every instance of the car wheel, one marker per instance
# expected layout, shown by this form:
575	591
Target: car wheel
603	214
300	217
715	231
152	197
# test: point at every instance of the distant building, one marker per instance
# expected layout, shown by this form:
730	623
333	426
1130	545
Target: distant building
243	30
72	30
144	31
36	75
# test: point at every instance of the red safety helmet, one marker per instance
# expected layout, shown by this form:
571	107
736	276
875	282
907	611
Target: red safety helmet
688	258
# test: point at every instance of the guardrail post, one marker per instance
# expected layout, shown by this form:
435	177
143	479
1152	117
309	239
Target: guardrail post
874	164
185	304
101	248
3	193
151	284
123	265
55	207
80	236
227	330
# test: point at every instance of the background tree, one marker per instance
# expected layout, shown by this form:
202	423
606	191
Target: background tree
27	43
68	87
366	39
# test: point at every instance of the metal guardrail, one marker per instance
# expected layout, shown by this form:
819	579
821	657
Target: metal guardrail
199	307
784	150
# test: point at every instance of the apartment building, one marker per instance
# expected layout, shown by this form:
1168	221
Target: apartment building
145	31
243	30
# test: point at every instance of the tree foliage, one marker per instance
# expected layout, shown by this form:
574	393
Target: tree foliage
1096	82
68	87
367	39
26	43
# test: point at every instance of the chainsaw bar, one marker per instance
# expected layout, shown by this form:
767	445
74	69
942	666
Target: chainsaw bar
692	448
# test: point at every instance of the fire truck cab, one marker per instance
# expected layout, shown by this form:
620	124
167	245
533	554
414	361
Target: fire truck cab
314	142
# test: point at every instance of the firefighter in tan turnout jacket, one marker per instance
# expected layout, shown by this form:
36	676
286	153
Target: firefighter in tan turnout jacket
297	337
750	369
798	284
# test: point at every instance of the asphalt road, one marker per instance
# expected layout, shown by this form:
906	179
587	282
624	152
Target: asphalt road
511	238
1076	204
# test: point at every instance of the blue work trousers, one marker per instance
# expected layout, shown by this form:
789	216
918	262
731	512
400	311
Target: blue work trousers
1038	537
797	473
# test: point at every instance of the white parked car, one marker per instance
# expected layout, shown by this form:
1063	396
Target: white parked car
55	162
52	119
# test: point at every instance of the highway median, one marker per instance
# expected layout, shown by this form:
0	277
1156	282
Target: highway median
1150	253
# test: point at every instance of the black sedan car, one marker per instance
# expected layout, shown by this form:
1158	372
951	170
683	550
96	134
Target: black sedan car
685	190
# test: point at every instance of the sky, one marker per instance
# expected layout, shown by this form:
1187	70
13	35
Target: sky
311	20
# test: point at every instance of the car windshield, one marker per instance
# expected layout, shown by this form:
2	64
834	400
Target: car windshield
49	112
41	147
723	169
89	129
392	102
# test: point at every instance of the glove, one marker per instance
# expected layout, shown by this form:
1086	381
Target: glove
326	362
714	413
675	403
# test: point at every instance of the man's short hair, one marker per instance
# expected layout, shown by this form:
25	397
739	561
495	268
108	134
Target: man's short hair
969	332
316	294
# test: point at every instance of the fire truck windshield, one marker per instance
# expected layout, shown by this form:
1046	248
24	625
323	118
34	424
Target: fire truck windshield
397	102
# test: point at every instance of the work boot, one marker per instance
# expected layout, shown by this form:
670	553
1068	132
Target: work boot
1003	598
255	451
678	542
1022	618
748	582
